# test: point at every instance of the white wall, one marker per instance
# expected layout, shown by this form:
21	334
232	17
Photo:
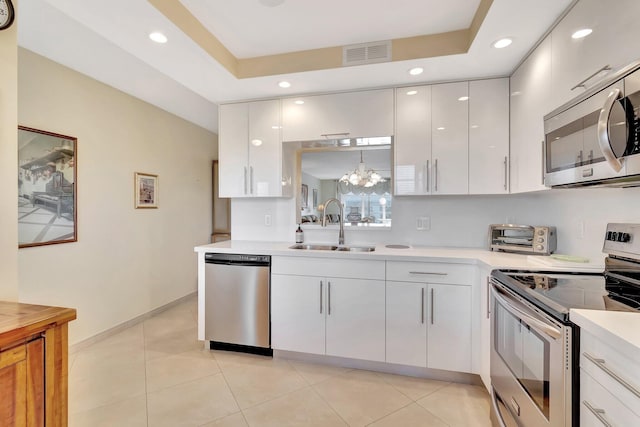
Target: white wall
580	216
127	261
9	162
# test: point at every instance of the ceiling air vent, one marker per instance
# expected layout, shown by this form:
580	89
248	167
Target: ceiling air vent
366	53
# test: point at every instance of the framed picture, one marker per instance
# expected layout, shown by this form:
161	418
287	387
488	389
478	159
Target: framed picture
145	190
304	196
47	176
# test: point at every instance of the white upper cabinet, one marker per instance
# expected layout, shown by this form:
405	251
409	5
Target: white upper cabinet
412	141
530	101
341	115
489	136
581	61
450	138
250	151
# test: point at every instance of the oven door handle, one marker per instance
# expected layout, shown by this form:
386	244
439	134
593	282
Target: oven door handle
522	312
496	409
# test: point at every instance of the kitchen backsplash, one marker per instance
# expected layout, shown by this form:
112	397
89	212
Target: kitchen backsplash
580	216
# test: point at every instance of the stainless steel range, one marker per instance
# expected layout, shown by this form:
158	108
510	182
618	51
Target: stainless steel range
535	347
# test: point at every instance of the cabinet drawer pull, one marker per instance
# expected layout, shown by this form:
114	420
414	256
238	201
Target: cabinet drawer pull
581	84
429	272
426	174
320	296
329	298
600	363
245	180
506	173
598	413
488	297
435	175
251	178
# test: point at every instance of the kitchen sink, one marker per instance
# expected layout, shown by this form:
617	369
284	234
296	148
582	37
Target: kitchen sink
333	248
314	247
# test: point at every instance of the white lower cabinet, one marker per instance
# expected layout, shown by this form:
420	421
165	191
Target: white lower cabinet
329	313
429	324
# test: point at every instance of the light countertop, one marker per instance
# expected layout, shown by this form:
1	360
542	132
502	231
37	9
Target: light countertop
619	329
414	253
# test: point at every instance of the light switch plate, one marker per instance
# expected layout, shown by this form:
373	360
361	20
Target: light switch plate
423	223
267	220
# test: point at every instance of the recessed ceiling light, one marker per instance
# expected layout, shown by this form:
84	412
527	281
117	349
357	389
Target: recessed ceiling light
284	84
158	37
412	92
499	44
299	102
416	71
583	32
463	98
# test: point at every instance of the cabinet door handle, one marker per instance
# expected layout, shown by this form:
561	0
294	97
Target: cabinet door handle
422	305
579	159
426	173
581	84
329	298
320	296
598	413
251	180
432	298
327	135
600	363
488	296
506	173
435	175
429	272
590	156
544	161
245	180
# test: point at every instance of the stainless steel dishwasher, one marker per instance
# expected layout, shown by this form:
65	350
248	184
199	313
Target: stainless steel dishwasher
237	315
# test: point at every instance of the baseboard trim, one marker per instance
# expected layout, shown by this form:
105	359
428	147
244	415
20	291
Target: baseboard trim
124	325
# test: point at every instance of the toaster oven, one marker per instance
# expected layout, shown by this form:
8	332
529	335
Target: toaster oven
535	240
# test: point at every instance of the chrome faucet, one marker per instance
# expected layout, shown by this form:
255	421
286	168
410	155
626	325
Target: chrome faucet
324	218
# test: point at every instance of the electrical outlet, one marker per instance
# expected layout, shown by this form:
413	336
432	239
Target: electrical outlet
423	223
267	220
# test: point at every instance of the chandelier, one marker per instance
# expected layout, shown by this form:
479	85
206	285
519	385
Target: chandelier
362	177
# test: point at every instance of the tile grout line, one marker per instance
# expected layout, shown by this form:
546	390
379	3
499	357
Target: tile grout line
329	405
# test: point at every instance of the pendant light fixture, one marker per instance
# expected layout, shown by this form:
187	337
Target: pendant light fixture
362	177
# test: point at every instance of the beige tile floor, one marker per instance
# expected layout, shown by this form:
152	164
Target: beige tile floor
157	373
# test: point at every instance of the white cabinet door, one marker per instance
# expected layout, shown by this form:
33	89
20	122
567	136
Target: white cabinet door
233	151
574	60
342	115
530	101
355	319
265	152
412	141
298	313
450	138
406	323
488	136
449	328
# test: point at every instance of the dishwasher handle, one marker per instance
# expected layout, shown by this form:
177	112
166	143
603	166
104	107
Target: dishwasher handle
238	259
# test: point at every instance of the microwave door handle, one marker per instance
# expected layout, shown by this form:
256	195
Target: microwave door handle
603	131
521	312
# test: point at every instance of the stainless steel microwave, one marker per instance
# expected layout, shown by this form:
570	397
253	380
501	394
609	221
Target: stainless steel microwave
593	140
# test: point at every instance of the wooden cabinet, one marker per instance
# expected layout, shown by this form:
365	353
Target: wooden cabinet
576	61
33	364
340	115
428	319
450	138
489	136
337	310
412	141
250	151
609	384
530	101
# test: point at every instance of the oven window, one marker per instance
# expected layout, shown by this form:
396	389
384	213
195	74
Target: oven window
526	353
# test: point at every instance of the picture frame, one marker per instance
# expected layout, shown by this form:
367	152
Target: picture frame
47	188
304	196
145	190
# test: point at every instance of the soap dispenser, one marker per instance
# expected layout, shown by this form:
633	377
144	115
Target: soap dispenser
299	235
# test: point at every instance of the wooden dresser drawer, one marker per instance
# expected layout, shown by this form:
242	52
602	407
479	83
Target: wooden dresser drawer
430	272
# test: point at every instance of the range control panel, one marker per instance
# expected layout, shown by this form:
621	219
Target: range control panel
620	239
